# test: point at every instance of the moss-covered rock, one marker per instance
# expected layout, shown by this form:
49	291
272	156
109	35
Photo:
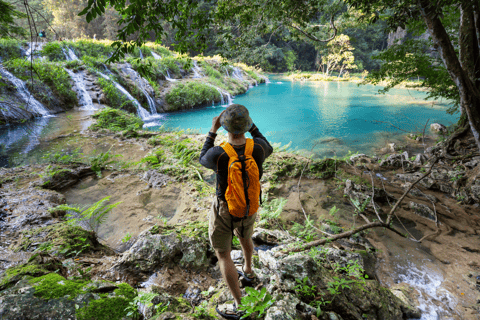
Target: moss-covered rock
52	296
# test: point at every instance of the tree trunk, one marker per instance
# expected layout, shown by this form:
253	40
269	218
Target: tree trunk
469	94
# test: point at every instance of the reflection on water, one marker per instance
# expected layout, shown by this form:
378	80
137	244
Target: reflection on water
18	142
308	112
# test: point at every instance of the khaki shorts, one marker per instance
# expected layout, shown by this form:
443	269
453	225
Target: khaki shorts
220	223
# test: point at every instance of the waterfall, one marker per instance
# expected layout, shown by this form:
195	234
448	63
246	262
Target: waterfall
35	106
156	56
140	52
229	99
196	70
84	99
266	79
168	76
140	81
69	54
256	84
32	48
237	74
72	54
142	113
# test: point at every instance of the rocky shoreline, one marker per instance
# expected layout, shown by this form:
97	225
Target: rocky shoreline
51	269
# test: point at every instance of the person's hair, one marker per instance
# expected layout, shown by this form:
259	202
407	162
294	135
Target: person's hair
237	135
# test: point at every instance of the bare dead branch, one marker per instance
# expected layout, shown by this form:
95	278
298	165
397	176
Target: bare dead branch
361	228
312	37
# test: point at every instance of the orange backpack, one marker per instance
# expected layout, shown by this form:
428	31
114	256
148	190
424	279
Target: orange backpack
243	179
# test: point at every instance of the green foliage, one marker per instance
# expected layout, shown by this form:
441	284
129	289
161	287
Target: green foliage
304	289
54	286
306	231
127	237
48	73
190	94
338	283
8	14
101	161
256	301
411	60
53	51
185	154
115	98
10	49
63	157
143	298
359	207
201	311
91	48
115	120
271	210
90	216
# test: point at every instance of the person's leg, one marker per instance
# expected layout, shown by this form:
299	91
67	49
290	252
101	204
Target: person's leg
247	248
230	275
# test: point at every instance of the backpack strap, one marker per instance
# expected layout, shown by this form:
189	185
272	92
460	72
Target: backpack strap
249	147
227	147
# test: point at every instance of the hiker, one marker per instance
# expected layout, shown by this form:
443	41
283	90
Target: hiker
43	35
237	161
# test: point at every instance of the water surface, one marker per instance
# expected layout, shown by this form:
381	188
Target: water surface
332	117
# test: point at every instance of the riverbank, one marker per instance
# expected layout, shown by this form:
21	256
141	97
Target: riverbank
151	81
166	195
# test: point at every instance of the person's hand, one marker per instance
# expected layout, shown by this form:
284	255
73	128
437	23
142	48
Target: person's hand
216	123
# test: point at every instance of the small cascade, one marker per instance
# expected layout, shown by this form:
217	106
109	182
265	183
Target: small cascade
229	99
69	54
72	54
35	106
33	47
140	52
156	56
168	78
256	83
266	80
196	70
140	81
226	71
237	74
142	113
84	98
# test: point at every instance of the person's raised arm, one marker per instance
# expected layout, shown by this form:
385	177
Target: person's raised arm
207	159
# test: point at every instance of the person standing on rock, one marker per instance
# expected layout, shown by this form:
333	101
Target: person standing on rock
238	165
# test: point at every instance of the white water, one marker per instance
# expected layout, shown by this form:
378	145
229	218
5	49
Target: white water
84	98
196	70
237	74
167	77
140	52
142	113
35	106
229	99
33	47
71	54
156	56
434	301
140	83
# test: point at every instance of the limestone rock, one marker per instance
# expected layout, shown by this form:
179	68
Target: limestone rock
151	251
437	127
397	161
284	308
155	179
65	178
422	210
272	236
420	159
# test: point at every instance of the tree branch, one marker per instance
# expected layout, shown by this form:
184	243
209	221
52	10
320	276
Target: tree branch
312	37
360	228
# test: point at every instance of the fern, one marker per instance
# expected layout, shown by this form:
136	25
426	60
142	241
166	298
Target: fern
89	217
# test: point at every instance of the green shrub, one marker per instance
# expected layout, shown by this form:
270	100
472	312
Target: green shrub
158	49
10	49
116	120
146	52
93	62
170	63
210	71
53	51
91	48
114	97
190	94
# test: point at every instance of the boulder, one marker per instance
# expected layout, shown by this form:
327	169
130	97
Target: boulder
153	250
397	161
437	127
422	210
64	178
155	179
420	159
409	296
272	237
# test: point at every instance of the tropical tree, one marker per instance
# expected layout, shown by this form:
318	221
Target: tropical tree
8	28
337	55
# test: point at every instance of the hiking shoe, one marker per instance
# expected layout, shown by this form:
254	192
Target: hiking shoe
246	279
229	311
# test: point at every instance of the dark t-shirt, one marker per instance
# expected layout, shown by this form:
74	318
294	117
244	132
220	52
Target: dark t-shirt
216	158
